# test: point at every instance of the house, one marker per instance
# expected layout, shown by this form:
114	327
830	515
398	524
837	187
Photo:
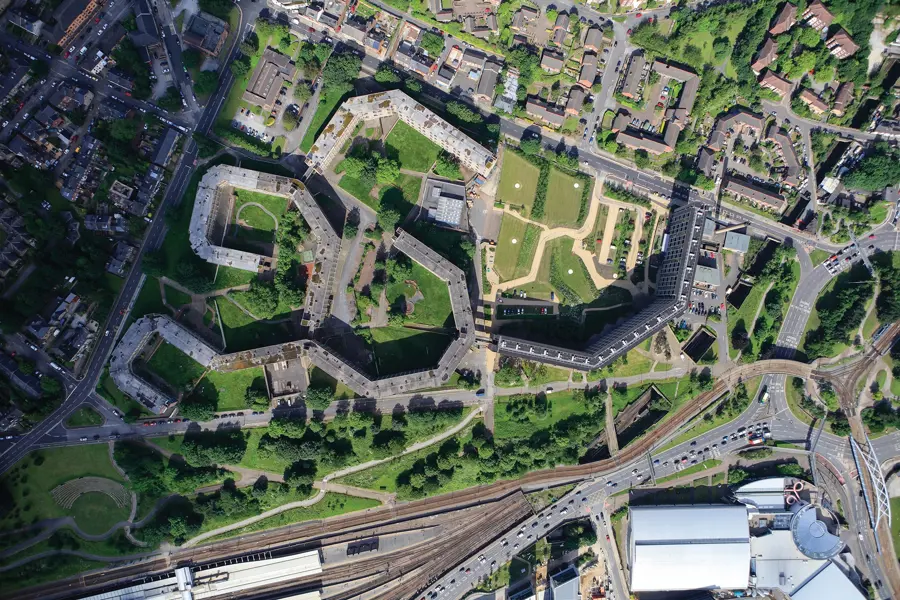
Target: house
706	161
737	242
105	224
792	169
817	16
506	100
490	75
588	70
766	55
113	110
67	98
542	112
560	29
26	21
552	62
206	33
445	204
356	28
566	585
634	76
842	98
412	59
49	118
636	139
755	194
443	15
271	73
122	254
523	19
165	147
593	41
120	193
444	77
815	104
779	85
377	41
480	26
576	100
841	45
786	18
147	32
679	113
16	75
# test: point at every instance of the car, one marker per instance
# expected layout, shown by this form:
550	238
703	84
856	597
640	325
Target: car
639	15
872	236
629	33
83	439
607	537
694	443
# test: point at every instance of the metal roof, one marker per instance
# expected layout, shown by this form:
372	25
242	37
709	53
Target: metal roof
739	242
828	584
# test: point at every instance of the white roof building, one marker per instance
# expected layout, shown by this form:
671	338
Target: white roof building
688	547
830	583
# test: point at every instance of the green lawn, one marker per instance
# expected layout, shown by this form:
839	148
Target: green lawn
175	367
636	364
706	464
328	105
84	417
895	525
560	250
96	513
401	196
632	393
549	375
274	204
243	333
149	300
230	389
435	309
563	200
319	378
561	406
513	260
398	349
871	324
518	171
256	218
175	297
32	479
746	315
414	151
331	505
818	257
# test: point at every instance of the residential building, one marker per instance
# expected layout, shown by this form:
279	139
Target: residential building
706	161
443	78
786	18
377	41
636	139
691	83
165	147
766	55
23	20
115	224
443	15
122	254
413	59
792	169
633	82
817	16
206	33
560	29
736	242
71	16
356	28
523	19
544	113
576	100
147	32
506	100
841	45
566	584
588	74
490	76
593	41
755	194
67	97
779	85
119	193
815	104
17	74
842	98
445	204
480	26
552	62
272	71
735	122
120	79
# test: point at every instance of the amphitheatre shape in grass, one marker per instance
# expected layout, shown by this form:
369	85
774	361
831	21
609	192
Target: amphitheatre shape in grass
67	493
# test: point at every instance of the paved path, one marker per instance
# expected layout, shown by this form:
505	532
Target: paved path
612	440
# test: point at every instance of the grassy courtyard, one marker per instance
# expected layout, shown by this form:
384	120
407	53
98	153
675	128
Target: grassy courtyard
400	196
513	260
229	389
434	309
413	150
564	194
745	316
519	172
570	272
175	367
242	332
398	349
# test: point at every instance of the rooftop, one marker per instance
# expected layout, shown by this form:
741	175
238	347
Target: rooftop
272	70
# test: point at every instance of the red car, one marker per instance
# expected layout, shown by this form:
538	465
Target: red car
96	19
128	94
639	15
629	32
607	538
66	55
872	237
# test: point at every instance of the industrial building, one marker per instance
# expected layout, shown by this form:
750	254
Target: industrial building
395	103
673	285
226	580
771	538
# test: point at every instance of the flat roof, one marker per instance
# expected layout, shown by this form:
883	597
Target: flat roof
739	242
830	583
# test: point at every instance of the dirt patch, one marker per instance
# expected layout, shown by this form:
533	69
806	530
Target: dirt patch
367	270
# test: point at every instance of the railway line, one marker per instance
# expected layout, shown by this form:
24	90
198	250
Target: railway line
308	534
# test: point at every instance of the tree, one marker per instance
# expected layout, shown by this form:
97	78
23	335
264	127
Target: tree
207	82
388	219
290	120
192	58
318	398
432	43
388	171
124	130
250	45
447	166
721	49
50	386
171	100
808	37
531	146
256	398
385	74
736	476
641	159
552	15
40	68
240	67
341	71
197	407
302	91
879	169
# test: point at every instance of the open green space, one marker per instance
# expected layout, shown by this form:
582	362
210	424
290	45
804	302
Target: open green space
398	349
895	525
45	570
149	300
276	205
435	308
256	218
319	378
175	367
242	332
513	260
564	193
400	196
413	150
96	513
870	325
327	106
519	172
745	316
175	297
706	464
559	406
84	417
564	272
331	505
32	479
818	257
230	389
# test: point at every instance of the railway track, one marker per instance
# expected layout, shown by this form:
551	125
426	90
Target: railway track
311	532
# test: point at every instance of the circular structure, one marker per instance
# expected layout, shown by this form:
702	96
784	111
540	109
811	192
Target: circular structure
571	271
515	241
576	186
517	186
811	535
67	493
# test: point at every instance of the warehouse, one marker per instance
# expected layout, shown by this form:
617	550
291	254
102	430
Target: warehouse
688	547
